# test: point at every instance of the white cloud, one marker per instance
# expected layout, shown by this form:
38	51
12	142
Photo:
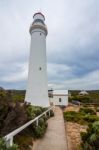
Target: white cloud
55	69
16	76
90	81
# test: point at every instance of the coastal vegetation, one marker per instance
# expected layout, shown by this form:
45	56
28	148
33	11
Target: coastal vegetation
90	138
86	121
83	116
4	147
14	113
91	97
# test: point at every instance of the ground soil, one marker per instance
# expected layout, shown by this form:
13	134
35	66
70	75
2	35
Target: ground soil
73	134
73	130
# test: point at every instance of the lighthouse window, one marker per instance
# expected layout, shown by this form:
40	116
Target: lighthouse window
40	68
40	33
60	99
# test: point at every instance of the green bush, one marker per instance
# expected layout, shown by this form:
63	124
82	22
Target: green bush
14	147
33	111
51	113
30	112
38	111
90	118
45	118
73	116
90	139
24	141
97	109
41	122
3	146
81	98
70	115
3	109
87	111
84	136
39	131
84	116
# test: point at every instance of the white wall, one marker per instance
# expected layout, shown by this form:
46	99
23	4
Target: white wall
37	88
64	100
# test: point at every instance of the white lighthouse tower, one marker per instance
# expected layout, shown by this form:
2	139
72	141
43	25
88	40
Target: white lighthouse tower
37	89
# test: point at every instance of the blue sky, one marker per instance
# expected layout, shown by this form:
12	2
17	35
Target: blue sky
72	42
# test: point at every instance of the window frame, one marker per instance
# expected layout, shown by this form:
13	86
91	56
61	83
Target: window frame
60	100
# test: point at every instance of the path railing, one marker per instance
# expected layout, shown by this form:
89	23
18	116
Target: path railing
9	138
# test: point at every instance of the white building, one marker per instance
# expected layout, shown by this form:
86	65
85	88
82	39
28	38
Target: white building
83	92
37	89
58	97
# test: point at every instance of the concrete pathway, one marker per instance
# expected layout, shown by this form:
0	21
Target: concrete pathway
55	138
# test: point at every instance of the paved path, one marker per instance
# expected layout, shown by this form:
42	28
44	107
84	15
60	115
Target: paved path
54	138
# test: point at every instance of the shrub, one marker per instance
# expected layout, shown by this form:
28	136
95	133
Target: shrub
24	141
33	111
51	113
87	111
82	116
90	139
39	131
97	109
14	147
41	122
81	98
72	116
84	136
45	118
3	146
90	118
30	112
37	110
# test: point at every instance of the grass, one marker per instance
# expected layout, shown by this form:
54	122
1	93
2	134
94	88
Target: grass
83	116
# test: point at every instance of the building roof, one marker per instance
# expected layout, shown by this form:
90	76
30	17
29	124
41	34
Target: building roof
83	92
39	13
60	92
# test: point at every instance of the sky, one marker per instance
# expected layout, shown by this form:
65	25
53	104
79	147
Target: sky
72	42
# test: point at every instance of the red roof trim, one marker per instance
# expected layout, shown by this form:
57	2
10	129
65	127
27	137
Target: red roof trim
39	14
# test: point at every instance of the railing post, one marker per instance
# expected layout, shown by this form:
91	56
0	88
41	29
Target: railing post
49	113
9	142
53	108
37	122
45	114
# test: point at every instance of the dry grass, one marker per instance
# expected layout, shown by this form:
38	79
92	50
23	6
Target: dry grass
73	135
72	108
73	130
